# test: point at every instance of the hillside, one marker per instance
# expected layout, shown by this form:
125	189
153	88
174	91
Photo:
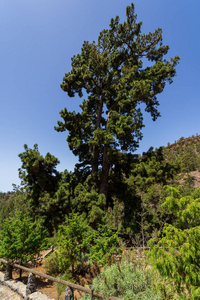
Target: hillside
185	154
152	193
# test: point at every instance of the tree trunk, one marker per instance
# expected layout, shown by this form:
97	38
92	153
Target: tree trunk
105	174
95	156
105	168
95	163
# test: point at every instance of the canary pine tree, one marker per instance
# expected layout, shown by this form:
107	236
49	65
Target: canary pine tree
116	74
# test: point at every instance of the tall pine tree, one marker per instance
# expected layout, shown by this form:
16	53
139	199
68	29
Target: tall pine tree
122	70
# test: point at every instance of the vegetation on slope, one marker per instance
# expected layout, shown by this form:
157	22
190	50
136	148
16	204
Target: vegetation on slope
113	193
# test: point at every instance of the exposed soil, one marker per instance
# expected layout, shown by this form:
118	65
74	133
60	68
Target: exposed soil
195	178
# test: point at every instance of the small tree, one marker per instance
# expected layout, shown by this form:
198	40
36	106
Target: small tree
73	241
176	253
22	239
106	243
38	174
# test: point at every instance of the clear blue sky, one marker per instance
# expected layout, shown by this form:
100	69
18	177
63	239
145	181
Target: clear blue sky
38	39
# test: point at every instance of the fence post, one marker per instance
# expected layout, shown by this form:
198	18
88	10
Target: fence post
8	274
31	284
69	294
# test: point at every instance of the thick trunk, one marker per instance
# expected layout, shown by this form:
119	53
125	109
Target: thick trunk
95	156
105	169
95	165
105	174
95	160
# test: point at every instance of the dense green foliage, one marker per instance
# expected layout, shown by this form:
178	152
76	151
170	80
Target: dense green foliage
112	192
175	253
125	282
6	205
145	208
22	239
122	70
77	242
38	173
73	241
185	154
106	243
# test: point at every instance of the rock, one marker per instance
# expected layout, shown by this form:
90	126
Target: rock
8	274
31	284
69	294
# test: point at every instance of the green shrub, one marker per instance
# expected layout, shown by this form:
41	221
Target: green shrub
60	287
165	288
175	253
125	281
22	239
51	264
73	241
106	243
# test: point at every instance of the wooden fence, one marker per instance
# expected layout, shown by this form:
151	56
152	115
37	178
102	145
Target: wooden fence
69	284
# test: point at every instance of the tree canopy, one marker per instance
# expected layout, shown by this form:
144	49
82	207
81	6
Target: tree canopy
38	173
118	73
22	239
175	253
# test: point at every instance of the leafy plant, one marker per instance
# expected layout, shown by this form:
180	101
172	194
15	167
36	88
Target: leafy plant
124	281
38	174
176	252
51	264
60	287
22	239
89	203
73	241
106	243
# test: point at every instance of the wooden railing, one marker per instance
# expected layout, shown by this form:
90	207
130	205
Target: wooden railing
69	284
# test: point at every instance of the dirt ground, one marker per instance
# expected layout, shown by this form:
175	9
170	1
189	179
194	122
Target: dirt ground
195	178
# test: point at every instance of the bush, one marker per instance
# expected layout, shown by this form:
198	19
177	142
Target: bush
22	239
125	281
175	253
51	264
165	288
73	242
106	243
